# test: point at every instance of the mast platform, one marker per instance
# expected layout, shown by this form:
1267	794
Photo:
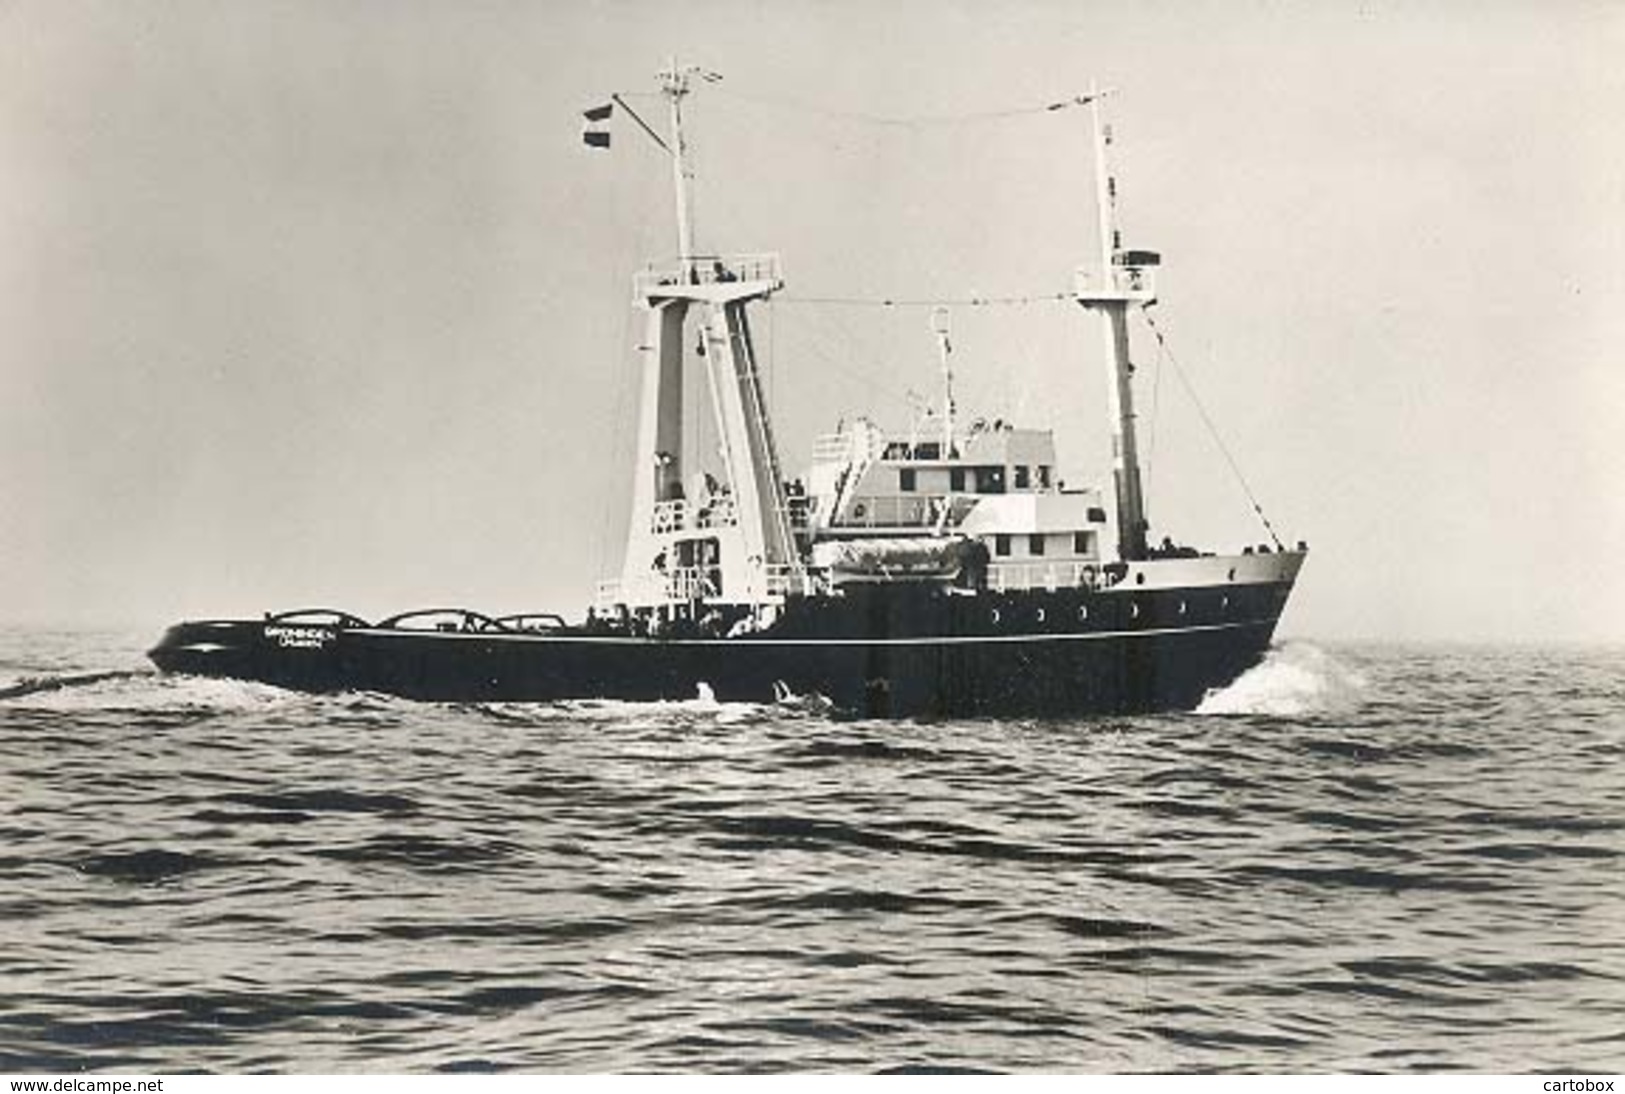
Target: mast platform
711	278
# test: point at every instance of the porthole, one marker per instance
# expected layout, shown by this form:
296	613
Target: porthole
994	615
1232	573
1224	602
1134	611
1181	607
1139	578
1083	612
1040	615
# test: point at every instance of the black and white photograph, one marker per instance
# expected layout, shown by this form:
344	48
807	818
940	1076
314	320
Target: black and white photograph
620	537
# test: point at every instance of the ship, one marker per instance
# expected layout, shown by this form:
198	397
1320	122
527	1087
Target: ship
946	571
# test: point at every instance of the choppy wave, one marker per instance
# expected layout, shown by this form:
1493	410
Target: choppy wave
1380	861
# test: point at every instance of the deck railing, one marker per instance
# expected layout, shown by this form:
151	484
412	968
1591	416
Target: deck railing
693	582
904	511
706	270
668	516
672	516
1005	576
792	580
704	582
1129	282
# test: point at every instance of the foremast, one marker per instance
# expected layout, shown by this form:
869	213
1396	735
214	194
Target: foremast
733	545
1125	279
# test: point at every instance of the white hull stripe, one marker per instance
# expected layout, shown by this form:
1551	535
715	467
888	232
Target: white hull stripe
744	640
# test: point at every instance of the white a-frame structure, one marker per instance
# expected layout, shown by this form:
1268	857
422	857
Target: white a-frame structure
695	541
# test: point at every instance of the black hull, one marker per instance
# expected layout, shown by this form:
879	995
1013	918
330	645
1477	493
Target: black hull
881	652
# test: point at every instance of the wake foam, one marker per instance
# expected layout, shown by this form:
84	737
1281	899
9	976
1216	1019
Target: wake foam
34	685
141	690
1293	679
626	713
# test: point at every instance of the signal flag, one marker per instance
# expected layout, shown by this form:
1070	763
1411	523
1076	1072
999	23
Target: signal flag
593	130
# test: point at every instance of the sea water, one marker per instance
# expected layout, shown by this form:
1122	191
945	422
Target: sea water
1354	858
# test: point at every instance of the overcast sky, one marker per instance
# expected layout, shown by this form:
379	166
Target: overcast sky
326	303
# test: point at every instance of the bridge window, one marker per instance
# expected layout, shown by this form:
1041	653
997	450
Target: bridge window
1035	545
1043	476
1001	545
1081	544
905	480
956	479
1023	476
990	480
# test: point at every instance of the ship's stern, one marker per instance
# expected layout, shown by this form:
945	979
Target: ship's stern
270	651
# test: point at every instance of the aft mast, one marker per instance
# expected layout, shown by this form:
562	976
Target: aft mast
1125	278
733	545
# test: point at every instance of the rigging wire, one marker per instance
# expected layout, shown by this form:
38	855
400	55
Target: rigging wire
932	302
1156	403
615	97
917	121
1211	428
